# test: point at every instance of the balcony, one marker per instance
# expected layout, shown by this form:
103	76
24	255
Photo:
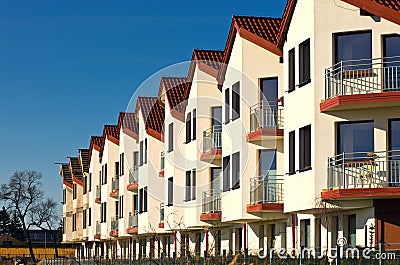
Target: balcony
266	122
358	84
212	145
363	176
97	235
211	206
114	226
266	194
133	179
114	188
132	223
161	223
98	194
162	164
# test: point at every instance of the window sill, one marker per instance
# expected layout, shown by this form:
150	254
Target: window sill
169	204
304	83
291	90
304	169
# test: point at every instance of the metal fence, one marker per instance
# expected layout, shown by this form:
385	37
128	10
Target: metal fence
98	191
212	138
266	189
115	184
211	202
364	170
134	174
266	115
133	219
362	77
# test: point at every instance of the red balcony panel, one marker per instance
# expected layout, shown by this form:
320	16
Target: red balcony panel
132	230
356	101
114	194
132	186
161	225
211	156
361	193
114	233
97	200
97	236
161	173
264	207
216	216
264	134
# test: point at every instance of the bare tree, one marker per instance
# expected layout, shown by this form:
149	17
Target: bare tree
22	194
47	219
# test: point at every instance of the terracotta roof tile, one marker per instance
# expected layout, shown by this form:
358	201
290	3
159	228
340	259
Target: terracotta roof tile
130	122
145	104
75	167
176	91
84	159
95	143
388	9
212	59
66	173
109	131
155	120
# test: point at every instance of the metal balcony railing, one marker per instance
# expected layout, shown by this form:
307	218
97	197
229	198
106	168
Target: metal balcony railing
97	227
162	161
266	189
364	170
98	191
212	138
266	115
162	212
362	77
115	184
114	223
133	219
134	174
211	201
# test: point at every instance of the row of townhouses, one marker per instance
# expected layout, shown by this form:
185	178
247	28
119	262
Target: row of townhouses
287	138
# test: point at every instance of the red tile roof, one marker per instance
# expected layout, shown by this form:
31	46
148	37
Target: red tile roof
144	104
176	91
388	9
209	61
111	133
286	19
155	121
95	143
75	168
130	122
262	31
84	159
65	173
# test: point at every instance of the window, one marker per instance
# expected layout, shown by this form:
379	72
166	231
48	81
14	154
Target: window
355	137
391	52
267	162
187	186
193	184
135	159
117	169
236	101
354	46
305	148
291	70
194	125
145	151
121	206
292	155
103	212
90	182
226	173
84	184
90	217
143	200
74	222
236	170
141	153
84	215
104	174
215	180
227	106
116	209
188	127
64	222
351	226
170	137
170	198
121	164
74	187
64	196
304	63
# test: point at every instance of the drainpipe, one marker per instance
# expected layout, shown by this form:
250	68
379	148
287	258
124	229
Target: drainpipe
293	231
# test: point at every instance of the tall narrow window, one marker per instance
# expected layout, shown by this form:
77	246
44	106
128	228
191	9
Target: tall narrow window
121	164
90	182
170	137
135	159
355	139
170	191
193	184
227	106
391	53
236	170
291	70
117	169
305	148
84	216
292	155
145	199
145	151
141	153
394	147
188	127
236	101
352	228
226	173
194	125
187	186
304	63
90	217
140	200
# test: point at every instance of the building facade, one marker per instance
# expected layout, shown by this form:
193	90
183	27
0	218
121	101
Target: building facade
288	138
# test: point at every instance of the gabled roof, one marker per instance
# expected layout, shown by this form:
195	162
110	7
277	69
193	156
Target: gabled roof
111	133
76	170
129	124
262	31
209	61
65	173
84	159
155	121
388	9
95	143
144	104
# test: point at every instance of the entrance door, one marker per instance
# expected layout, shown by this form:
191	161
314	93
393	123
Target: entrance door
269	103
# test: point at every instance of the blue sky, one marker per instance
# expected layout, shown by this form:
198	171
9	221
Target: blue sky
68	67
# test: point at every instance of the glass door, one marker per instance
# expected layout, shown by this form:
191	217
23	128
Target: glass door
391	54
268	103
394	152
